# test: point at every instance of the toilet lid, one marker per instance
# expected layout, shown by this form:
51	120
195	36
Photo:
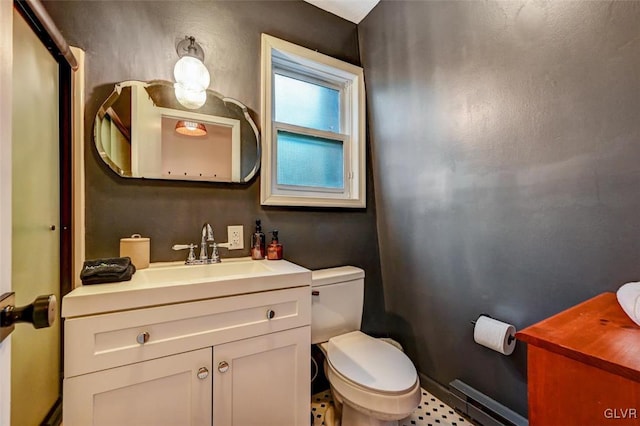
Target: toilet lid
371	362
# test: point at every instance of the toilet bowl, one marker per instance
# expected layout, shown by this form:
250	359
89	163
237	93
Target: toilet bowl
373	382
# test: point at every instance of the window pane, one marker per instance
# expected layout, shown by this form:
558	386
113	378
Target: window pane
306	104
309	161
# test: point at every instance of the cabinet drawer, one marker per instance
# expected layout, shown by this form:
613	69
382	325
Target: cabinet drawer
104	341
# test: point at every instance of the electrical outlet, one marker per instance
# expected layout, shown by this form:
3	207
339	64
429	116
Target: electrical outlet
235	237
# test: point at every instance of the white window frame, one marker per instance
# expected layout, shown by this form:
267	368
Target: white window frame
308	65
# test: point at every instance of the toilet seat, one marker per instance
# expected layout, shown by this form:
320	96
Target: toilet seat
371	363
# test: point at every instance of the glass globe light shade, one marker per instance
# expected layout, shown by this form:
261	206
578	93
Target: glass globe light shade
191	73
189	97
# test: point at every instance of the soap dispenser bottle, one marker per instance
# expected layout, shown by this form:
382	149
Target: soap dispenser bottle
258	243
274	251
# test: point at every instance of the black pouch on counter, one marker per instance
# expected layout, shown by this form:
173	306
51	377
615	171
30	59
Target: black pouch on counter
107	270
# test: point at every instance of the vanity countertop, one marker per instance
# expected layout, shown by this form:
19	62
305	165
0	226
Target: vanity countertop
173	282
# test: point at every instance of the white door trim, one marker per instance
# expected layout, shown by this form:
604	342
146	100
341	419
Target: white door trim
6	64
77	150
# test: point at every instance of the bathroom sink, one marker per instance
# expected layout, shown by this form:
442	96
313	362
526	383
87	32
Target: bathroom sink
163	273
175	282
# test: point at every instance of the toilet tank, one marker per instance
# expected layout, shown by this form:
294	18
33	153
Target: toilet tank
336	302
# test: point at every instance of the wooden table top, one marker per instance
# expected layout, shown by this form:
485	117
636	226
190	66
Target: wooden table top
596	332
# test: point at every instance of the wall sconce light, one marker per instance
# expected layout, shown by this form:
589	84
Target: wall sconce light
190	128
191	75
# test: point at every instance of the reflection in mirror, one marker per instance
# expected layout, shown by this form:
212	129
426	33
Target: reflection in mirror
142	131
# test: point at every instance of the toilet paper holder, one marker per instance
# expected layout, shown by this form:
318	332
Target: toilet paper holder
510	338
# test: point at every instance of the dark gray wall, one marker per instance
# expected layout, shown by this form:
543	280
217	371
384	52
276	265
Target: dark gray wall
506	151
135	40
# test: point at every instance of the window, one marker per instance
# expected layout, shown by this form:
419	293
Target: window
313	128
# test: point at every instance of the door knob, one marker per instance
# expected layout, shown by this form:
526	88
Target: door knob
41	313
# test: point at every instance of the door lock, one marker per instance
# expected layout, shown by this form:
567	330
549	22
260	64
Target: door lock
41	313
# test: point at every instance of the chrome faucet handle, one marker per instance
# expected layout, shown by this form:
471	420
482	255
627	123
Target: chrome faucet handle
215	256
191	258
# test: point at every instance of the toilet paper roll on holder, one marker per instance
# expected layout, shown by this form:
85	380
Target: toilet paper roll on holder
510	338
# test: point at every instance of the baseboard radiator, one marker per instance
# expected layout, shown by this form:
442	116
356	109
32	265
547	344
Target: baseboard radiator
481	408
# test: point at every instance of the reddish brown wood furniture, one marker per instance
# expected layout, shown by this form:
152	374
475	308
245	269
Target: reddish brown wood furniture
584	366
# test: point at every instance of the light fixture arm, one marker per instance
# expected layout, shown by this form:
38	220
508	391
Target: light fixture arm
189	47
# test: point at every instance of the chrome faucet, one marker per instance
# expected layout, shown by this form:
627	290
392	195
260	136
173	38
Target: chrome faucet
206	241
207	237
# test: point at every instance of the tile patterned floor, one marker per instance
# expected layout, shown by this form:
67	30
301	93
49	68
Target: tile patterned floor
430	412
319	404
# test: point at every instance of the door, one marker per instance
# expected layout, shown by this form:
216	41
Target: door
29	108
173	390
263	381
6	49
35	266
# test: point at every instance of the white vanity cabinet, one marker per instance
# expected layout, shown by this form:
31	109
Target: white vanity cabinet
234	360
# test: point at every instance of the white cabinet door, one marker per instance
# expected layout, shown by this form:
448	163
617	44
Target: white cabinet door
263	381
164	391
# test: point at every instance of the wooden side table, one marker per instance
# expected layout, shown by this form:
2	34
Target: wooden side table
584	366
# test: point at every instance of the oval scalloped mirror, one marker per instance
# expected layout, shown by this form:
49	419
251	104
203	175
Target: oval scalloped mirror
141	131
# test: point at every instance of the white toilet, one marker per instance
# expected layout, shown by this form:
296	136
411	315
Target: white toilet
375	382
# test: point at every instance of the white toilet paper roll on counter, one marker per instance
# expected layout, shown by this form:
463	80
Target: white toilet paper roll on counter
495	335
